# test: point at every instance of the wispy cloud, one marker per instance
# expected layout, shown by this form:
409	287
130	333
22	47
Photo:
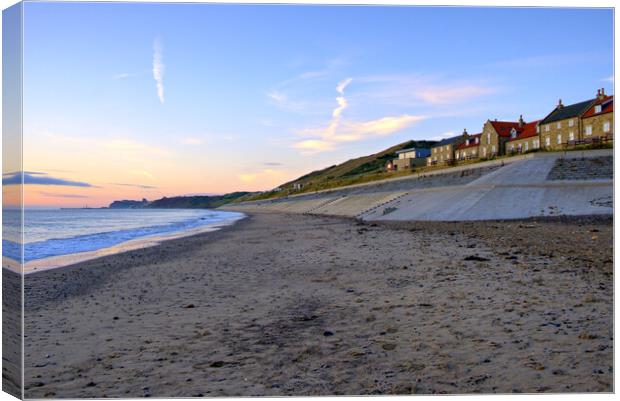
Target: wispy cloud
273	164
158	68
609	79
68	196
192	140
140	186
143	173
445	95
339	131
29	178
443	136
123	75
265	177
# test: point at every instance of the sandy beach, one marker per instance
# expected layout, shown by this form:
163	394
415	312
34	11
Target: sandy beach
304	305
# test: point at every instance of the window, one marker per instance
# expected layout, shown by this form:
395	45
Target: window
559	139
571	136
477	140
558	125
484	151
570	122
535	144
547	141
493	149
527	146
513	133
488	137
512	148
598	108
537	129
606	126
546	128
588	130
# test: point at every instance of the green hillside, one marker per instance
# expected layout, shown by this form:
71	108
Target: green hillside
361	169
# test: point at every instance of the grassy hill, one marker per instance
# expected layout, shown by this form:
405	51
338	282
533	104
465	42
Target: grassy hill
181	202
361	169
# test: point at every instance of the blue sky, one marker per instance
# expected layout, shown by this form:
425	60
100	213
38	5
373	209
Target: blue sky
178	98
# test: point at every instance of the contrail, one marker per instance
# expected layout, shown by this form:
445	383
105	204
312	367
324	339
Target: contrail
158	68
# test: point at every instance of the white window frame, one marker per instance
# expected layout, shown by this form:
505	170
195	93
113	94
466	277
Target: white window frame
588	130
535	144
606	126
571	136
598	108
547	128
547	141
527	146
570	122
493	149
558	125
559	139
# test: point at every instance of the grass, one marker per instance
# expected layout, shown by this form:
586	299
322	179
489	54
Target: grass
370	168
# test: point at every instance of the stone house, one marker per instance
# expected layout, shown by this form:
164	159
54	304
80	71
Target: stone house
564	124
469	149
443	151
524	140
408	158
494	136
598	120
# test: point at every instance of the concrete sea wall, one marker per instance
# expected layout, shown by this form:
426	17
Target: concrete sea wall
537	184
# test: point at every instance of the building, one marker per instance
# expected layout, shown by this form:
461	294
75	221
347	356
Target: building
408	158
469	149
564	123
524	140
598	120
495	135
443	151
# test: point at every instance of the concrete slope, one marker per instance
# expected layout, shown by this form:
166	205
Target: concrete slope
519	188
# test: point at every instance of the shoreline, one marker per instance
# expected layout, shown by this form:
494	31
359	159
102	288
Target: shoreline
56	262
308	305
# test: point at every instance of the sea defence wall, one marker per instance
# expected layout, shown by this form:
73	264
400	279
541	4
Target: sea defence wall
532	185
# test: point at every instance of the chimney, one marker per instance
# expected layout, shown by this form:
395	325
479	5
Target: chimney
521	122
465	134
560	105
600	94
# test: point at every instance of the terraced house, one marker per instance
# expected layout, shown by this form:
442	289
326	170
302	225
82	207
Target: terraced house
469	149
408	158
598	119
494	136
525	139
443	151
564	125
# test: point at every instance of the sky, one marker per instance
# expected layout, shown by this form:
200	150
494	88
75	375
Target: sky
131	101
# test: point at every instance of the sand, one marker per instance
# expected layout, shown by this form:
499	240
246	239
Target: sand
304	305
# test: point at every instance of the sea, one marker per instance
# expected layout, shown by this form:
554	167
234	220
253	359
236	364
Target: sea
53	233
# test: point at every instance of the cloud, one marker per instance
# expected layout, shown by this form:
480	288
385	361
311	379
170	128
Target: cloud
70	196
342	85
444	95
339	131
123	75
266	176
192	140
282	100
609	79
40	179
443	136
158	68
143	173
135	185
273	164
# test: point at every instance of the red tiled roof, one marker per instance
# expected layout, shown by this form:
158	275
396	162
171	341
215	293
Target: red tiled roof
528	130
503	127
608	106
472	142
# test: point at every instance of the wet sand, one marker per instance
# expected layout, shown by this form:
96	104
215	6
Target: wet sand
303	305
